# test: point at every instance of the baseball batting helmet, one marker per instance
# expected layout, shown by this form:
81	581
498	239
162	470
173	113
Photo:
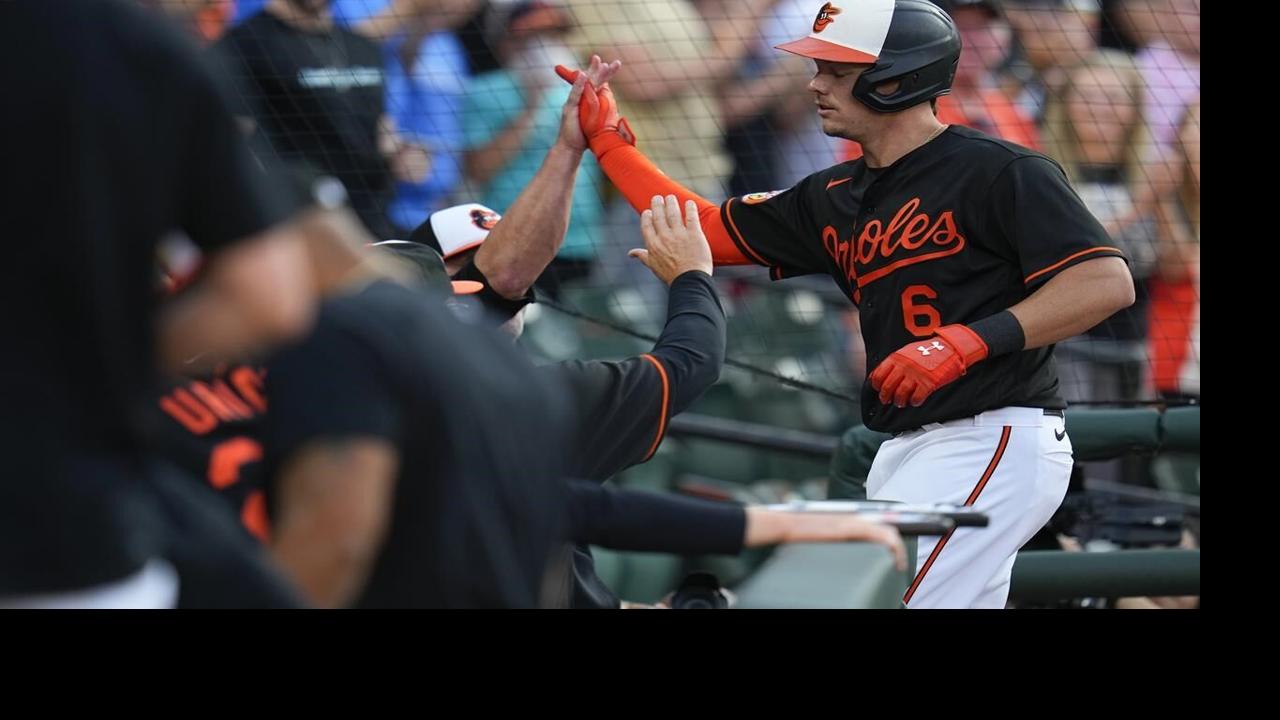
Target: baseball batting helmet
911	41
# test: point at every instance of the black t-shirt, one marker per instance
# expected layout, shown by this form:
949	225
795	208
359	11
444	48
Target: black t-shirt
123	135
482	440
211	428
955	231
318	97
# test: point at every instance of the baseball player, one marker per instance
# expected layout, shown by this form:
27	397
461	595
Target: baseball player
967	257
83	516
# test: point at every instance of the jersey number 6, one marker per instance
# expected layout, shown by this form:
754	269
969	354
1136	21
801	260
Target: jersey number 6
920	319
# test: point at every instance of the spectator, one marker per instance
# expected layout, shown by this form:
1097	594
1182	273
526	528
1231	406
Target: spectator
427	73
1052	36
1094	128
975	101
1168	35
316	91
511	118
1175	287
245	9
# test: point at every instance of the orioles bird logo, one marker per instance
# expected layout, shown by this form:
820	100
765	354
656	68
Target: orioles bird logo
485	220
824	18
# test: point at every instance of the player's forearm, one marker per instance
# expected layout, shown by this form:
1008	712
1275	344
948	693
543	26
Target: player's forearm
1075	300
531	231
1068	304
653	522
639	180
692	345
327	559
325	570
335	499
769	527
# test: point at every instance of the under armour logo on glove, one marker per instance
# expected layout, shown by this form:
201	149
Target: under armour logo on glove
914	372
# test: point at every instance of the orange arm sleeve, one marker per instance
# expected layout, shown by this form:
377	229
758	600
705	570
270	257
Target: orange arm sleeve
639	180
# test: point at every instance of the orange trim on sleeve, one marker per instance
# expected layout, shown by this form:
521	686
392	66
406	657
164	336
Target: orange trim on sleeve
1066	260
741	241
254	516
666	395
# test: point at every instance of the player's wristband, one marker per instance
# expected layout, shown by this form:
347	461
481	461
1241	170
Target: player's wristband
505	308
1001	332
603	142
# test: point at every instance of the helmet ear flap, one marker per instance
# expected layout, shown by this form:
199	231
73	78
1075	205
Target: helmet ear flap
921	51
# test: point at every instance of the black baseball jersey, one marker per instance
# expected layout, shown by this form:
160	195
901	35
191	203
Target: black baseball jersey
624	406
211	427
957	230
123	135
318	97
480	497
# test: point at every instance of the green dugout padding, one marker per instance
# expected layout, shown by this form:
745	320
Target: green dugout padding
1182	429
1096	434
857	575
1044	575
1106	434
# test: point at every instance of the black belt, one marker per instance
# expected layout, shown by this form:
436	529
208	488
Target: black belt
1047	411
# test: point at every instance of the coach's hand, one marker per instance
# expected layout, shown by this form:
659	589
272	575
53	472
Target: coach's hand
598	115
596	75
769	527
915	371
673	246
